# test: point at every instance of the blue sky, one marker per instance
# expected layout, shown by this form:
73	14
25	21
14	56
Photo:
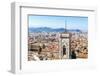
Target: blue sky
72	22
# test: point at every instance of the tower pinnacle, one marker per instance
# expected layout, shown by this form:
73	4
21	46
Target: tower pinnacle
65	26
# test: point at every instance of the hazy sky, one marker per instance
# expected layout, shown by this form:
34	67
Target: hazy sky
72	22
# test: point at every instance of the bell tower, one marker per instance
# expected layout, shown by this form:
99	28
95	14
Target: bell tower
64	44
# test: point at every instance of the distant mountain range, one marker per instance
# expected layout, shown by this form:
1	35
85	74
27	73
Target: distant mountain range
47	29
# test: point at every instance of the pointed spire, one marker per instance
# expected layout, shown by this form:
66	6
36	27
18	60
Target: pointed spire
65	26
